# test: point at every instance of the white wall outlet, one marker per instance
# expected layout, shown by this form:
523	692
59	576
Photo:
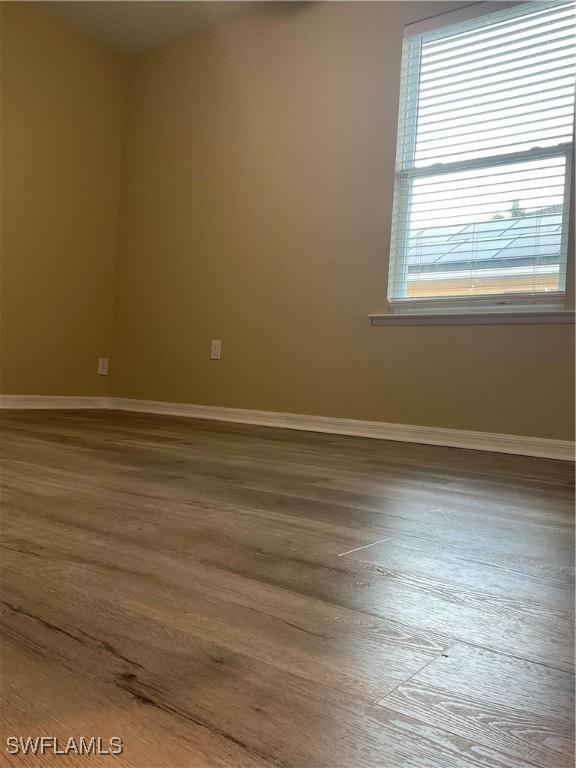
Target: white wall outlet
215	349
103	366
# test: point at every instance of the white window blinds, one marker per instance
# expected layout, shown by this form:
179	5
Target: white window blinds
484	157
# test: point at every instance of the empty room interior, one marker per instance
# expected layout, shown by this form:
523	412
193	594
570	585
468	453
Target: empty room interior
287	384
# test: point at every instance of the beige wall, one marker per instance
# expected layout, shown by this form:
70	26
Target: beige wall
256	209
62	109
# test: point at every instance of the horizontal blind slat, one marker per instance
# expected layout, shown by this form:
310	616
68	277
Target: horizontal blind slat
456	35
491	186
533	31
564	99
563	111
562	126
486	100
469	54
464	66
560	64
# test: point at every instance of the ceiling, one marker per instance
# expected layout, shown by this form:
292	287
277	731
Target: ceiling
132	26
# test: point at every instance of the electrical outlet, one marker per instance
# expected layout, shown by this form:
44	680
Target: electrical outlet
103	366
215	349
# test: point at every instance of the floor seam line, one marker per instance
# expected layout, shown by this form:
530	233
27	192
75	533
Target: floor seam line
418	671
364	546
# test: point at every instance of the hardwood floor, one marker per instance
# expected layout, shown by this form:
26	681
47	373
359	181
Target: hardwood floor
227	596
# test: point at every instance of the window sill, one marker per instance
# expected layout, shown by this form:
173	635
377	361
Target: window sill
538	317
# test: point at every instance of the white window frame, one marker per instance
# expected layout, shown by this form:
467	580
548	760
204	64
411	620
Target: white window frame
515	307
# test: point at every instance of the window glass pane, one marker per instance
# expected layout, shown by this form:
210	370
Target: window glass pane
495	230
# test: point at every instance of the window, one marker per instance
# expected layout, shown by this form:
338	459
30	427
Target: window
484	160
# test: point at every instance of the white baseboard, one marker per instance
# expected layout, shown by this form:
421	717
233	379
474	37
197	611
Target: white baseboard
408	433
454	438
52	402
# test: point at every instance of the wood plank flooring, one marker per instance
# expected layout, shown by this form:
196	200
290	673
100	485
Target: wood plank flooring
223	596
